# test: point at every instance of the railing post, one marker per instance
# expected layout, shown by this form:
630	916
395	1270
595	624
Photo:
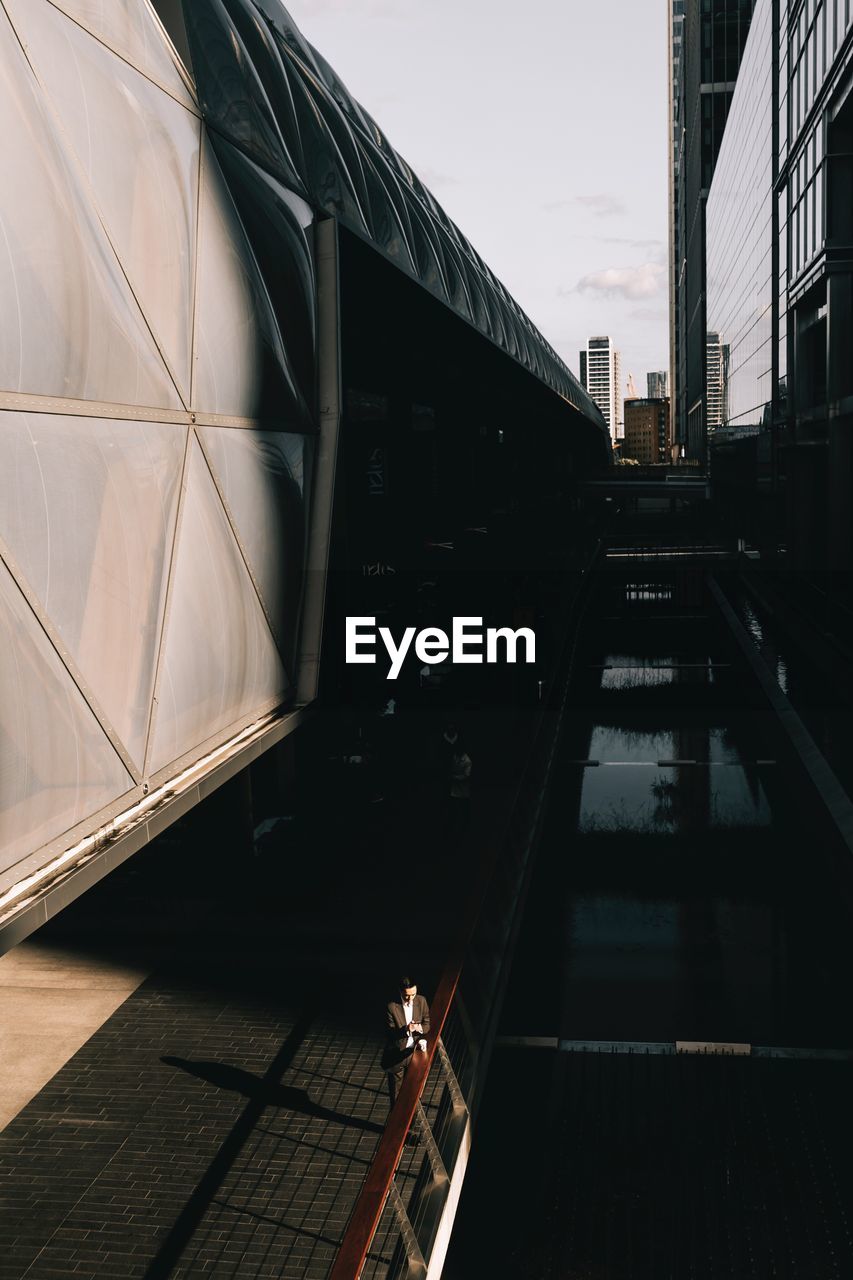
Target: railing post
436	1163
456	1097
471	1042
411	1248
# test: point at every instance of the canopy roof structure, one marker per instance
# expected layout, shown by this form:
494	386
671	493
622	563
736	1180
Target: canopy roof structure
274	98
168	245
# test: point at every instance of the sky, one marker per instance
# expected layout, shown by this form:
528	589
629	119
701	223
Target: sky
541	128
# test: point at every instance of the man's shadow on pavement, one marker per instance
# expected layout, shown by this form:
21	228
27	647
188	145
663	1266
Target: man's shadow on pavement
267	1093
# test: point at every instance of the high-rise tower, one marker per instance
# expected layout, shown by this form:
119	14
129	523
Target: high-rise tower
600	375
704	64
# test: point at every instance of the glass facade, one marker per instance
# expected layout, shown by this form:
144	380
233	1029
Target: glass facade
676	128
780	287
805	189
740	240
815	32
782	211
714	36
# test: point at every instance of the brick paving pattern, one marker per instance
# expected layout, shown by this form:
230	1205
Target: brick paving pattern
221	1121
241	1154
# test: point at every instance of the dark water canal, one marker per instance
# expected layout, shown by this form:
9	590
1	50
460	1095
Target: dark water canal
686	895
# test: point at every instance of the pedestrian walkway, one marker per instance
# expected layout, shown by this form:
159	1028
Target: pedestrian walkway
51	1002
220	1121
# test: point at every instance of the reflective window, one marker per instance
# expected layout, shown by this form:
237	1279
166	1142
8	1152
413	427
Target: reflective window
807	205
739	355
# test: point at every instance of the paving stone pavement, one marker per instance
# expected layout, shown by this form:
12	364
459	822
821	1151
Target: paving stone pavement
221	1121
214	1125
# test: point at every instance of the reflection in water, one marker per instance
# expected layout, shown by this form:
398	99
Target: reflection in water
617	677
678	894
626	798
656	941
753	625
609	742
630	791
632	660
626	671
648	799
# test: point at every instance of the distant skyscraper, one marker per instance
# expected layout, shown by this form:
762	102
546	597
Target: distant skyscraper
657	383
706	45
714	384
647	435
617	386
676	68
600	375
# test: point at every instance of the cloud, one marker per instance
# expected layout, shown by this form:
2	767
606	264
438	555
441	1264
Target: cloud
632	283
602	204
648	315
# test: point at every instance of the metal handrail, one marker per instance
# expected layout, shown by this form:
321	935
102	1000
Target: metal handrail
371	1201
377	1185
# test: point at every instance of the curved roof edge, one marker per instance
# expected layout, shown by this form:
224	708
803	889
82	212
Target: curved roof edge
270	93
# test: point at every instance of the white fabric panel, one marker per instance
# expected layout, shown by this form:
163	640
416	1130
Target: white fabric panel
219	661
229	300
69	325
132	29
260	476
56	764
89	518
141	158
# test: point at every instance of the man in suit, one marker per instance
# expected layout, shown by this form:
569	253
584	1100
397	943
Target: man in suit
407	1025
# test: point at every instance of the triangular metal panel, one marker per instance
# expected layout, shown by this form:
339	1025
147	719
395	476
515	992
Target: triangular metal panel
69	324
57	767
240	365
141	160
279	227
219	662
260	475
133	31
90	523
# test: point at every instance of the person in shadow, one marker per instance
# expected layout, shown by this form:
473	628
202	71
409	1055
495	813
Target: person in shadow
406	1029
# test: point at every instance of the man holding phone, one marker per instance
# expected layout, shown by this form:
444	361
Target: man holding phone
407	1025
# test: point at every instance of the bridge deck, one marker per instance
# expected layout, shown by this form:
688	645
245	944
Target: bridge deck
221	1120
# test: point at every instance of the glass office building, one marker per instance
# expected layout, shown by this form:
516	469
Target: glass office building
816	146
675	42
740	245
704	70
780	267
